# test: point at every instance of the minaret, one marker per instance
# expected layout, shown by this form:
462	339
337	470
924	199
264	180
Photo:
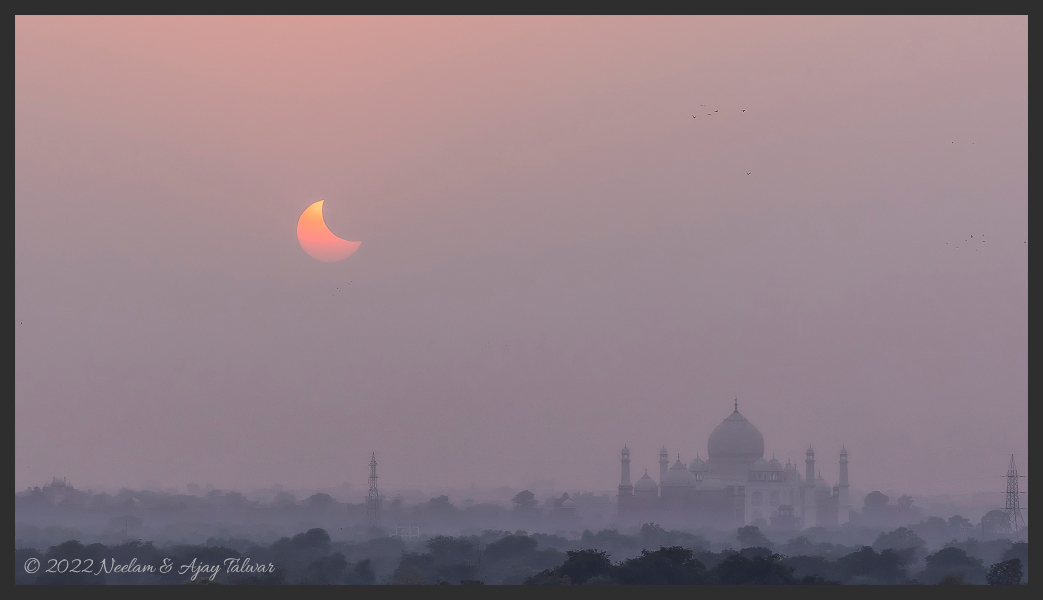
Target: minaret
664	464
625	487
809	489
844	501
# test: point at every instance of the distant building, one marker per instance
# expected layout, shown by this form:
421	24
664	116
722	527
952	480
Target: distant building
57	491
736	486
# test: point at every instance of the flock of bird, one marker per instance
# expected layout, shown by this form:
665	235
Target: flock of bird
982	240
716	110
953	142
711	114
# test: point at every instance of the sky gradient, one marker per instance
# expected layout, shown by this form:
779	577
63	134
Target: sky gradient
556	258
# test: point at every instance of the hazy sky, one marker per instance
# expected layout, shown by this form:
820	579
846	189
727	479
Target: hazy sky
556	258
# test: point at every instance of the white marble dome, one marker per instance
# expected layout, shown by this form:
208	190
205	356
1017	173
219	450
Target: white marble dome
646	484
677	474
698	465
736	439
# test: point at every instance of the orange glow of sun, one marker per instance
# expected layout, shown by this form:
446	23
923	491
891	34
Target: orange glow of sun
317	239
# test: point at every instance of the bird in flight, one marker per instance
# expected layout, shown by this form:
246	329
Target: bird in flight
694	117
747	172
744	110
715	111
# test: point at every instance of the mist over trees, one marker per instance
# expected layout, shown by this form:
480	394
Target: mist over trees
318	539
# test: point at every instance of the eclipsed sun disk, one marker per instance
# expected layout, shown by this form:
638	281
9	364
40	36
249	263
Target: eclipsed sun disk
317	239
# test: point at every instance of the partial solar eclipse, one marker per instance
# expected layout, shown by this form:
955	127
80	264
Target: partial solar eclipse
317	239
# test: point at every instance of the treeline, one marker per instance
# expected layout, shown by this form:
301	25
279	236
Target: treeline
494	557
55	512
677	565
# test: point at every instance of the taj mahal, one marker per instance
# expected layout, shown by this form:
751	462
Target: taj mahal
736	486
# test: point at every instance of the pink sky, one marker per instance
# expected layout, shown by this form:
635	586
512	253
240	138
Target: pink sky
556	259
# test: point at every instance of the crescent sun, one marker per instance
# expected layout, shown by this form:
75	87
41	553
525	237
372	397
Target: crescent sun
317	239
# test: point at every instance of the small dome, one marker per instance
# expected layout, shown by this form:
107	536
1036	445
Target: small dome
774	464
820	483
646	484
677	474
697	465
759	465
736	439
790	467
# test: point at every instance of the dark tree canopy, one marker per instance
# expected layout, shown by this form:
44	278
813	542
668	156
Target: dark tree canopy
751	535
510	546
524	500
875	502
665	566
887	566
900	539
952	561
1007	572
762	570
995	522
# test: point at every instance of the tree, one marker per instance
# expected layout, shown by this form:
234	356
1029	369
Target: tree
284	500
451	550
69	551
899	539
875	502
955	562
934	528
524	500
510	546
298	552
799	545
810	567
1018	550
760	570
441	507
1007	572
316	538
665	566
414	568
326	570
581	565
361	573
320	501
751	535
887	567
959	526
995	522
651	534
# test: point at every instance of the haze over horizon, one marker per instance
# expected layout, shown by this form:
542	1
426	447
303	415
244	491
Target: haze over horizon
556	258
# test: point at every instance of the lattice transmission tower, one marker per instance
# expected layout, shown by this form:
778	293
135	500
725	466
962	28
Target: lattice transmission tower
373	499
1013	506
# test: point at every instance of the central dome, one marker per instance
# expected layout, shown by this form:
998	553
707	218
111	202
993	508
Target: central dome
736	439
